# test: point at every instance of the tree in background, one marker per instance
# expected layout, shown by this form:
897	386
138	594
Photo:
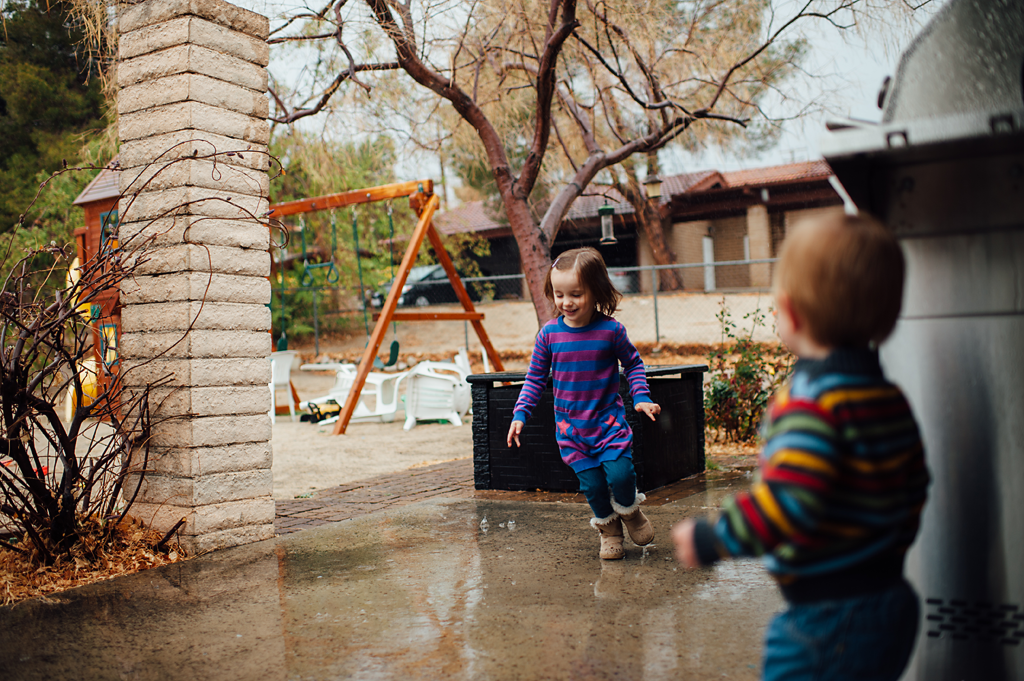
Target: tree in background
51	98
558	93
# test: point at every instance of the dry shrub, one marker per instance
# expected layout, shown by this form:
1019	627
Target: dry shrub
102	551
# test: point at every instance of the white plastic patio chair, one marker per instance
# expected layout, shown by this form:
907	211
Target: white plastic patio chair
378	400
461	360
280	371
436	391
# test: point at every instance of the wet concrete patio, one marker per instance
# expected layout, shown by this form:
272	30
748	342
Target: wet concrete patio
425	591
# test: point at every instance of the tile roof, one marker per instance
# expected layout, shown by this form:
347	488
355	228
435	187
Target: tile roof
469	217
586	206
104	186
473	217
791	172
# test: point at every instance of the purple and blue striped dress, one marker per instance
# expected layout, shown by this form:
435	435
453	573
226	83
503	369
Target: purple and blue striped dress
590	420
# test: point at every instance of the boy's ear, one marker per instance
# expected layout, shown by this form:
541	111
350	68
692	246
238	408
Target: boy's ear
785	305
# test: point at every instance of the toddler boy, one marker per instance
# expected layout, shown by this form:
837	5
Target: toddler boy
842	478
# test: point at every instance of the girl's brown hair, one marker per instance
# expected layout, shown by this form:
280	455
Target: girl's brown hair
592	274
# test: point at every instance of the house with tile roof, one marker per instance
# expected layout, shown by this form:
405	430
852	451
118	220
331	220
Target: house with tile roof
708	217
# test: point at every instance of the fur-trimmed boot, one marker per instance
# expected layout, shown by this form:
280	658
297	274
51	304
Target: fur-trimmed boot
611	537
637	524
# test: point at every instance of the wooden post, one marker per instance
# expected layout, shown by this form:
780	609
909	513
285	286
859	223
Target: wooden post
354	197
460	291
373	346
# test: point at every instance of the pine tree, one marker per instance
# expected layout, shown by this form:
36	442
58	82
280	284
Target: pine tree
49	96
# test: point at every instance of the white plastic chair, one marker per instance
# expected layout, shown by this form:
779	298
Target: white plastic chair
461	360
436	391
280	371
381	388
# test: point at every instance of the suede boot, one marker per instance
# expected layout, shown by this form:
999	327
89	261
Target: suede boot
637	524
611	537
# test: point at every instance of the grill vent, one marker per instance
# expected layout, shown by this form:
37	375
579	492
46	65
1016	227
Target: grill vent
979	621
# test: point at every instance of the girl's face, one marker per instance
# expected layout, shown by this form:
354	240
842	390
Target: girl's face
572	299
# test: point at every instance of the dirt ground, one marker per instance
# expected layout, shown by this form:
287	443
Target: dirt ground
308	457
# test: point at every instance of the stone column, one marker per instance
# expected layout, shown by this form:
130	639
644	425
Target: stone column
759	233
192	104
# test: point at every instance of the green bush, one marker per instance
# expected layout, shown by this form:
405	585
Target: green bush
744	374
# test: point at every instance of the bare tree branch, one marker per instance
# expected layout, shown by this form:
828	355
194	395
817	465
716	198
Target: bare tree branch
329	92
546	81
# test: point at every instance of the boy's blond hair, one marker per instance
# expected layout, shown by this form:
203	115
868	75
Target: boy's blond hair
844	276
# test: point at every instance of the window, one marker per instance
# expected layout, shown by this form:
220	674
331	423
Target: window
108	232
108	345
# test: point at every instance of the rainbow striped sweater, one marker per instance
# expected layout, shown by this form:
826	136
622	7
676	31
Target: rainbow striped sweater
841	485
590	420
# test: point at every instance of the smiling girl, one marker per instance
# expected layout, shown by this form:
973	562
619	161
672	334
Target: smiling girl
582	348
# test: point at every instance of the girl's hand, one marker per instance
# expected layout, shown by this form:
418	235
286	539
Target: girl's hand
682	537
649	408
513	433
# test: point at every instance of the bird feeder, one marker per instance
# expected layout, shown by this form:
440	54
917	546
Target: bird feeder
653	186
607	229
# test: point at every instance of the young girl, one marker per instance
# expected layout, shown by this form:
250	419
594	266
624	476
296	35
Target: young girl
583	348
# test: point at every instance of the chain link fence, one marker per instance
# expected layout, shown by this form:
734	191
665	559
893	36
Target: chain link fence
690	316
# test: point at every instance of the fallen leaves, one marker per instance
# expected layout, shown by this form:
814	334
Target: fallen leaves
129	549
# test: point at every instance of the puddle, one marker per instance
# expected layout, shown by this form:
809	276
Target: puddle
423	592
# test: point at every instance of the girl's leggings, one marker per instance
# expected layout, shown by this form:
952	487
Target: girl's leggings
617	475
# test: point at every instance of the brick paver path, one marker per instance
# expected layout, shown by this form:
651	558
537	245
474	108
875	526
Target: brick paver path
451	479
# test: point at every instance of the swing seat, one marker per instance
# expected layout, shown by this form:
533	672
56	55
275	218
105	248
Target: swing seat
378	400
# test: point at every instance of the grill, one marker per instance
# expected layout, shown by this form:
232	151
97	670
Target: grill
945	171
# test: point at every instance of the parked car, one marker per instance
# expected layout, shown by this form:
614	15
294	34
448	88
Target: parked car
425	285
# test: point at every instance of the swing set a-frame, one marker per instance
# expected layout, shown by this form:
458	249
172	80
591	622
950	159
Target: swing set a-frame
424	202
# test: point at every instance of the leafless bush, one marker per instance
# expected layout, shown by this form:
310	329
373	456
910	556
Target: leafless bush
70	479
56	472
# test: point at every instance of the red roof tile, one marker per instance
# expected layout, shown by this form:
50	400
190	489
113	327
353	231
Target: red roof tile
467	218
791	172
473	217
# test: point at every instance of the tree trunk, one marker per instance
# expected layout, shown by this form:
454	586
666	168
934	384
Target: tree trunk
534	252
649	223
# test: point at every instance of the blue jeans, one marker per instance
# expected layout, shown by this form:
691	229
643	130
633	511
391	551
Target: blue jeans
852	639
617	474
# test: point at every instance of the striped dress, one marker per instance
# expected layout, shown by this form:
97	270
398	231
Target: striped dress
842	482
590	420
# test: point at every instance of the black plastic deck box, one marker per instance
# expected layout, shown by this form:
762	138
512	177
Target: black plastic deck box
664	451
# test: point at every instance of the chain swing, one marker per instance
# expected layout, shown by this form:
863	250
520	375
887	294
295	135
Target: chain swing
333	276
393	354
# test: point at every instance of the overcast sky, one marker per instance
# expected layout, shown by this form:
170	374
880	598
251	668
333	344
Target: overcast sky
850	68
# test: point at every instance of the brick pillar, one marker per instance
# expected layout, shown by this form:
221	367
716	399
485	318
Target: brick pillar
192	82
759	233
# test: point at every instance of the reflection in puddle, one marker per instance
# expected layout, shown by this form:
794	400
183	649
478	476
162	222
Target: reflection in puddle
734	580
422	592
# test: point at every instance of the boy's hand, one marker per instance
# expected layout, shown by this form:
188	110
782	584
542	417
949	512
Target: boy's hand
649	408
682	537
513	433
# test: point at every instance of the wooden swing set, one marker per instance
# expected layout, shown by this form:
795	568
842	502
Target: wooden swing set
424	202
